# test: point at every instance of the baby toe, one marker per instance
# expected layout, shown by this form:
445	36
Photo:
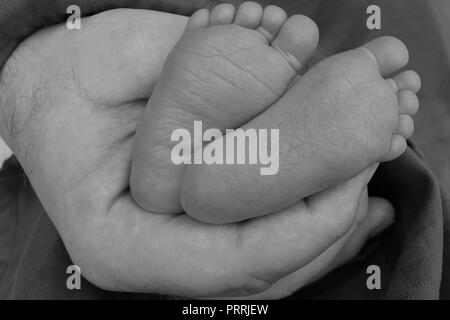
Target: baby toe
249	15
297	40
408	102
389	53
199	19
405	126
273	19
408	80
222	14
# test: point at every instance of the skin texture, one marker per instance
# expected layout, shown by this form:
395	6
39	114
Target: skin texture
229	71
72	104
341	117
223	75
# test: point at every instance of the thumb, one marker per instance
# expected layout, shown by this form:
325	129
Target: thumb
380	215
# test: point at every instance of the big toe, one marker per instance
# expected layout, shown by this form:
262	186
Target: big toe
389	53
297	40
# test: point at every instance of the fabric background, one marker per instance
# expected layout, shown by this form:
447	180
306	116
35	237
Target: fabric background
414	254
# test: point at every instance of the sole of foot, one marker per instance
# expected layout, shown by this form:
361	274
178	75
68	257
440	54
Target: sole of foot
229	66
345	114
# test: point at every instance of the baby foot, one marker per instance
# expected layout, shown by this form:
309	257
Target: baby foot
228	67
338	119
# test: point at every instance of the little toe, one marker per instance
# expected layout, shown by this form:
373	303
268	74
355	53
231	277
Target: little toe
199	19
405	126
222	14
297	40
389	53
408	80
408	102
273	18
397	148
249	15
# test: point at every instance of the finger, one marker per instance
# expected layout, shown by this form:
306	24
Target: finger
381	214
319	266
178	255
373	216
377	215
319	200
304	237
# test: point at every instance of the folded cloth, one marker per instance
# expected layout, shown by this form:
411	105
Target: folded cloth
413	254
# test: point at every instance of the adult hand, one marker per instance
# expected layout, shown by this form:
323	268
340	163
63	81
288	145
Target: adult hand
71	101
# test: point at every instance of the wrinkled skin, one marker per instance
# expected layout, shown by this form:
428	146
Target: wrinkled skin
71	101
